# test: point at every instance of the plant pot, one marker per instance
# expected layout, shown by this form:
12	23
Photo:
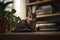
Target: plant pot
4	26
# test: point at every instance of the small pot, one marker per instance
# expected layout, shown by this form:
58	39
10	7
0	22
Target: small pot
4	26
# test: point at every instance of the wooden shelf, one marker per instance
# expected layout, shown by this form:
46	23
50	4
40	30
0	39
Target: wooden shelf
48	15
30	36
32	33
38	2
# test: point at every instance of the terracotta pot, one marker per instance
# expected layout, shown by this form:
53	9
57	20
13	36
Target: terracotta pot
4	25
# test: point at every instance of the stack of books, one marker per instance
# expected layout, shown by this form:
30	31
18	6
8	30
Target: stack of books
46	27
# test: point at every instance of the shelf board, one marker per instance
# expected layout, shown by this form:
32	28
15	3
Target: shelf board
32	33
38	2
48	15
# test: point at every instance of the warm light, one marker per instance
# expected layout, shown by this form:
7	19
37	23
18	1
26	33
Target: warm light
20	6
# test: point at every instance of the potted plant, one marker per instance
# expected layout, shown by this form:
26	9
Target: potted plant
13	20
7	19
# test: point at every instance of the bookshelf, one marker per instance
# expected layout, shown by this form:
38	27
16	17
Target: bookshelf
33	7
38	2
